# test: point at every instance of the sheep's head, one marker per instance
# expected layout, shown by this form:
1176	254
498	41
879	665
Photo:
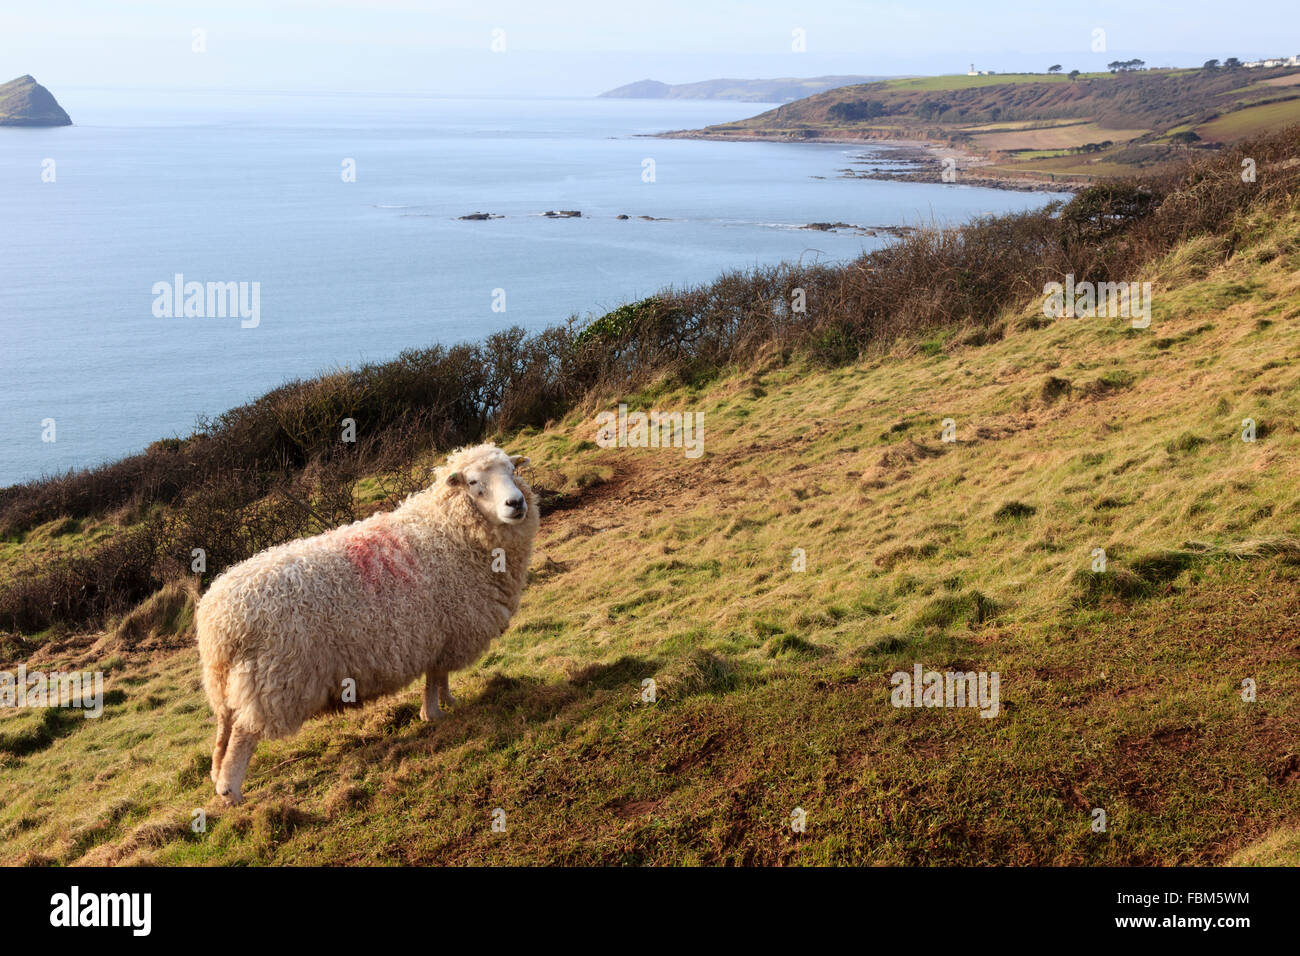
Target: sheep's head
486	474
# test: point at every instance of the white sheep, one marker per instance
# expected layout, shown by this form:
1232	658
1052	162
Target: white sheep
366	608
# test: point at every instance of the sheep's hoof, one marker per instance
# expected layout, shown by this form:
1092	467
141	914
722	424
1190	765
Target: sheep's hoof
424	713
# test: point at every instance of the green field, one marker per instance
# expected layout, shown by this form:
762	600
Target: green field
1067	168
959	81
1251	121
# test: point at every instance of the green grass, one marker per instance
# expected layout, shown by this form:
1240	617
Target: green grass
960	81
1251	120
62	536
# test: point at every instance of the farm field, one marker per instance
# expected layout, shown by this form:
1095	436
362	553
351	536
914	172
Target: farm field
1064	169
1251	121
1055	137
961	81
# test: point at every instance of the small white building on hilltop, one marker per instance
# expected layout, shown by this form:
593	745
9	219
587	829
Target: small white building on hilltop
1273	62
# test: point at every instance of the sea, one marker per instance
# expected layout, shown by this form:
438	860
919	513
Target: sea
336	215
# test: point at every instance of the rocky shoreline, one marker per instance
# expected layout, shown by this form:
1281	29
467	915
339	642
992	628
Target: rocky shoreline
554	214
896	231
934	163
893	231
929	162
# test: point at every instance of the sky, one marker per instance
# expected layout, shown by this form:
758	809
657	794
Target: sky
582	47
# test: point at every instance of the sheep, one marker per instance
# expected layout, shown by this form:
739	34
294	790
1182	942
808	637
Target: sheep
366	608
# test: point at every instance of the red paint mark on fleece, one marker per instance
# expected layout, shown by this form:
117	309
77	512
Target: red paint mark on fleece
379	555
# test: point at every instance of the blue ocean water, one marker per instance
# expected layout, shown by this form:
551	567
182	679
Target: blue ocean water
249	187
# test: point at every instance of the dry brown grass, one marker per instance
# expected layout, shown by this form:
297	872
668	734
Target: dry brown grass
1057	137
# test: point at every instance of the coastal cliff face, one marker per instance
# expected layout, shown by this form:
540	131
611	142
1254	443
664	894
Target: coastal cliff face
24	102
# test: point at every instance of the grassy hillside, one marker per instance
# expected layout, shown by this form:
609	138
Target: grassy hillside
1120	690
1093	125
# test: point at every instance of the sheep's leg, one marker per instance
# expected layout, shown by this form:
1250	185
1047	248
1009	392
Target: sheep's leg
429	709
235	766
224	723
444	690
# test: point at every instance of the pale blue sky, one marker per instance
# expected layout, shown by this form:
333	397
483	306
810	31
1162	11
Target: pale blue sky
581	47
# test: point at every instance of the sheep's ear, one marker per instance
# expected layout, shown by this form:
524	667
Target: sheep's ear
518	460
454	478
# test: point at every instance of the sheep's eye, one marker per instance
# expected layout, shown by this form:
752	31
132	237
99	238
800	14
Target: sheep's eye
473	481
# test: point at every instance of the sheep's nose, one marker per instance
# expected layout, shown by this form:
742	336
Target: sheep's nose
516	503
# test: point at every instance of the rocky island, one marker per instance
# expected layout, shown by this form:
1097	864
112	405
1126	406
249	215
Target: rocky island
24	102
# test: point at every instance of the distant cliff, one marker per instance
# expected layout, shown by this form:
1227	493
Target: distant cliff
750	91
24	102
